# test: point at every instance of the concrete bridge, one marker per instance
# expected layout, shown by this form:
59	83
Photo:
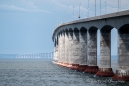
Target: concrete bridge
75	44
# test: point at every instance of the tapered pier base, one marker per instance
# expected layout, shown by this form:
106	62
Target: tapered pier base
74	66
81	67
91	69
120	76
105	72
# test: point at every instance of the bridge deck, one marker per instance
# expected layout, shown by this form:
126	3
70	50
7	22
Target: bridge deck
110	15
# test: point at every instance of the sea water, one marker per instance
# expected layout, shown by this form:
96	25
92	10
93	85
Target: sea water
42	72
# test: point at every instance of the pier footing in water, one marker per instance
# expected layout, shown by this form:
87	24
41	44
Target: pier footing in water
91	69
74	66
81	67
120	76
105	72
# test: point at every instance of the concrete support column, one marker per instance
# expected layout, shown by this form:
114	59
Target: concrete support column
63	48
83	49
59	49
79	51
122	73
74	51
66	48
92	52
70	47
55	50
105	69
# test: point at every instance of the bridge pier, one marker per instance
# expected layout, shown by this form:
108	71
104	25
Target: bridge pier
66	48
83	49
75	50
70	48
105	69
122	73
55	50
92	51
63	48
59	49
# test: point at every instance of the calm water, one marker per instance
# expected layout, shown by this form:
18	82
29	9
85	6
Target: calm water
40	72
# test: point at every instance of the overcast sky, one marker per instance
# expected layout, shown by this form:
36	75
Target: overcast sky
26	26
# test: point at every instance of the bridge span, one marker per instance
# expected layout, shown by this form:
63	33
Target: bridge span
35	55
75	44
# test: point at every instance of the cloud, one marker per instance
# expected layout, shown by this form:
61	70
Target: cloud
30	5
68	7
112	6
19	9
59	4
12	7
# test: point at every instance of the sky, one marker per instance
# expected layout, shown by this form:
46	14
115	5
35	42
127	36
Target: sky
26	26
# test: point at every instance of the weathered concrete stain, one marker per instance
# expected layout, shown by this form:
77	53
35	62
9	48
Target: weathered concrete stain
70	48
83	47
105	69
92	48
59	48
123	52
55	50
122	73
76	47
105	49
66	47
63	47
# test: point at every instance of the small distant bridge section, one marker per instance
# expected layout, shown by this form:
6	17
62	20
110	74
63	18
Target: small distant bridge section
36	55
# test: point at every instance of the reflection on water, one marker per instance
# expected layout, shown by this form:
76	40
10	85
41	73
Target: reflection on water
40	72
